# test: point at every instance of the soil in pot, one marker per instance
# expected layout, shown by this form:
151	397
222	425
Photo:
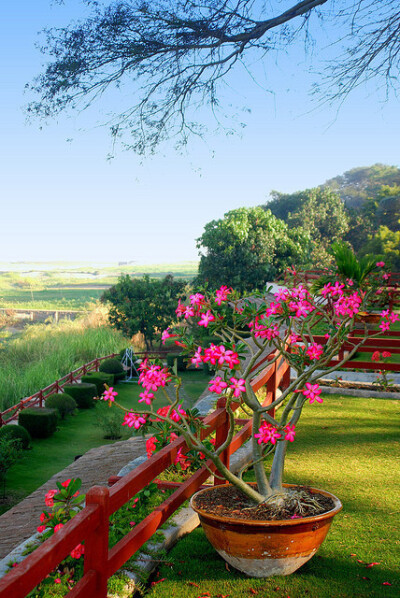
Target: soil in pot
228	501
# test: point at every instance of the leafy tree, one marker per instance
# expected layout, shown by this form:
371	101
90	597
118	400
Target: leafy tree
177	53
385	242
143	305
10	453
320	212
247	248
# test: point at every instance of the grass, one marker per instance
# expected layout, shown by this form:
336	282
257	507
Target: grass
44	353
78	434
349	446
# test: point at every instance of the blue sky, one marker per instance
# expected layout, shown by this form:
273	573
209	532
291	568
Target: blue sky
62	200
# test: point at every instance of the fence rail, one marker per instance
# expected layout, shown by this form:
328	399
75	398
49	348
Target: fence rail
40	397
92	523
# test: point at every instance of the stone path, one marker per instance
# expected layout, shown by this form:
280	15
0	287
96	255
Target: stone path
94	468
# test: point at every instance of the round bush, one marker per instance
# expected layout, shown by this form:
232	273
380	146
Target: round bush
17	432
99	379
83	394
113	366
63	402
40	422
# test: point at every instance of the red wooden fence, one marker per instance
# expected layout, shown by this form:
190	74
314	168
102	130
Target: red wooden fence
92	523
40	397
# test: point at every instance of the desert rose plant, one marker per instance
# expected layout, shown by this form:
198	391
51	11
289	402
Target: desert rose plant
249	329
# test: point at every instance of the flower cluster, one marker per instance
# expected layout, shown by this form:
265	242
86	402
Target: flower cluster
268	433
216	355
388	318
153	376
237	385
65	503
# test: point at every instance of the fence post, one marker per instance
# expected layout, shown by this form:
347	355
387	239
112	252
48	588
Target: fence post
221	434
96	544
40	398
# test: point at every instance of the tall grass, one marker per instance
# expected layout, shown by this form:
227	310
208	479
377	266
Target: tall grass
44	353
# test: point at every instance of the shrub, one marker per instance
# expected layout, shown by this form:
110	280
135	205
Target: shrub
63	402
83	394
99	379
12	432
113	366
10	452
40	422
110	421
180	361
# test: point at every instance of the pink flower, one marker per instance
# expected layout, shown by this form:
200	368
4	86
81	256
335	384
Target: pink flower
109	394
41	528
380	264
57	580
58	527
385	276
238	386
43	517
384	326
146	397
197	358
282	295
180	310
132	523
375	356
293	339
78	551
166	335
206	318
393	317
134	420
312	392
217	385
349	282
151	446
267	433
188	312
290	433
198	300
274	308
48	498
386	354
222	294
315	351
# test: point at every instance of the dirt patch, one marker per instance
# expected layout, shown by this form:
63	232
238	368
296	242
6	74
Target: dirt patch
358	385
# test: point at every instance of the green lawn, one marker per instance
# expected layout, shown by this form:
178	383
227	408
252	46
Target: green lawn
77	434
351	447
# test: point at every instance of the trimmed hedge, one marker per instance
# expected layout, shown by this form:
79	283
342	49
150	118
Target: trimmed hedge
12	432
99	379
63	402
40	422
113	366
83	394
180	362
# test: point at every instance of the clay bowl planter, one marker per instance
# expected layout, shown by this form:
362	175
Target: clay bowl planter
265	548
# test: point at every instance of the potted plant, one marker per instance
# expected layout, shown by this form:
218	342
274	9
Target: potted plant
269	527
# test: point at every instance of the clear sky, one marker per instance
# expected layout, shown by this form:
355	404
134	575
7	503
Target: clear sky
62	200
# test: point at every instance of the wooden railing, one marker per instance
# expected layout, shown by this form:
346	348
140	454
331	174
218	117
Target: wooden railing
39	398
91	525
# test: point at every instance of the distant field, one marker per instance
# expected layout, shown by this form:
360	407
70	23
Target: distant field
72	287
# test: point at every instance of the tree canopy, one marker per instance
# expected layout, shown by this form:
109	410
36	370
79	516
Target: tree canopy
143	305
247	248
175	54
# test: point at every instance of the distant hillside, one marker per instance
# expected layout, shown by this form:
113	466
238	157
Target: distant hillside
358	185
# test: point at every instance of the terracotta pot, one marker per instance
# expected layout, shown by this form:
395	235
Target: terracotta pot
368	318
265	548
